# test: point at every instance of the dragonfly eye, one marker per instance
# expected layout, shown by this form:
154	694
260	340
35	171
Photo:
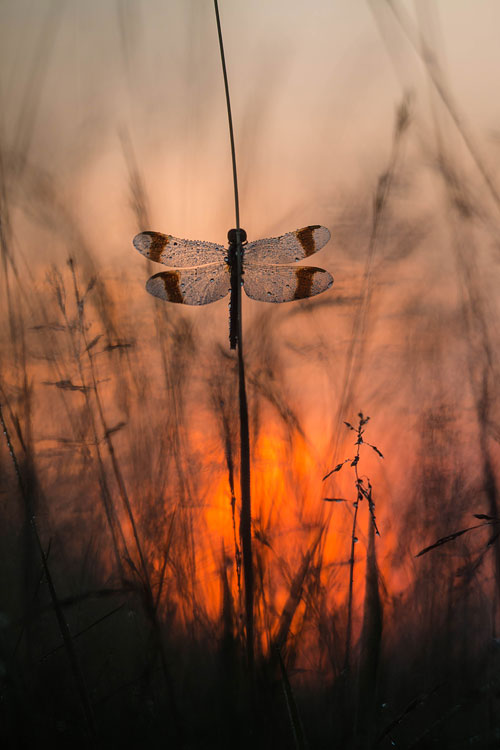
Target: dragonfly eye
232	236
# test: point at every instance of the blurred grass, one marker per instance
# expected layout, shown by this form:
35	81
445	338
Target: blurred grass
121	415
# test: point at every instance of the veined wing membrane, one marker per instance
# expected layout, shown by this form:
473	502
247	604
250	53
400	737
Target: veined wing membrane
289	247
284	283
172	251
192	286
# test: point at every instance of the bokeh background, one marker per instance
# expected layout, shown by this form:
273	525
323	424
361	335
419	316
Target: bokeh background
119	467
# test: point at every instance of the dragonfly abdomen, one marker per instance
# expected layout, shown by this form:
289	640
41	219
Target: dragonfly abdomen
236	280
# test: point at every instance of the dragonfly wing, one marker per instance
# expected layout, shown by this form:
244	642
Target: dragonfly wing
172	251
285	283
192	286
289	247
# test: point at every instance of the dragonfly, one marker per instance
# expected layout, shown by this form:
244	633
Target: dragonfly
204	272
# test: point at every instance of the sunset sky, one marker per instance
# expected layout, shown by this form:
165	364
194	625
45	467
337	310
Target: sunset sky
314	89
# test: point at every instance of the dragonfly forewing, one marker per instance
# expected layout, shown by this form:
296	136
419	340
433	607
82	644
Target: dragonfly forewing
289	247
172	251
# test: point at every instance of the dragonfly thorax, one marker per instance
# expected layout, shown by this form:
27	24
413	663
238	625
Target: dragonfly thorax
232	236
232	253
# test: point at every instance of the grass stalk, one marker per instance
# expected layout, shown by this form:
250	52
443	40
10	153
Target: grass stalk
293	713
371	638
246	505
116	531
236	294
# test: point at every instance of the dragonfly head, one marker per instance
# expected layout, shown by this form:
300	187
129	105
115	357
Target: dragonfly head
232	236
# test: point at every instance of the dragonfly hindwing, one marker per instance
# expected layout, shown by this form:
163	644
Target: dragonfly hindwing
284	283
192	286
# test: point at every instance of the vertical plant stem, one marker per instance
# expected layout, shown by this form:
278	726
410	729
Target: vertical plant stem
230	471
246	507
229	118
348	637
359	497
371	639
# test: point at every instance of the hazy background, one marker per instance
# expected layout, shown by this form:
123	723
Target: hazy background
314	88
379	121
